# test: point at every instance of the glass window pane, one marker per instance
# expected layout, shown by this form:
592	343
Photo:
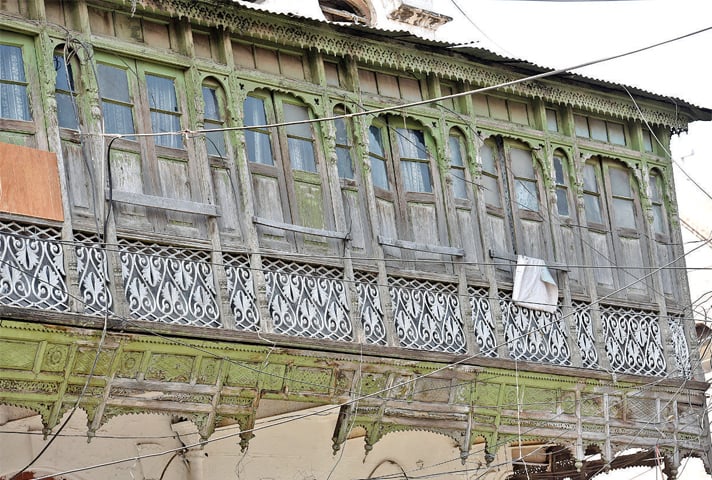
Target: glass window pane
65	77
616	133
552	122
647	141
375	142
254	112
411	143
388	85
659	220
379	175
66	115
161	93
581	124
589	178
117	118
598	129
342	137
416	176
343	164
522	163
297	113
455	151
527	197
13	102
459	185
592	206
165	122
562	202
624	213
620	182
487	155
113	83
655	187
13	98
259	148
212	106
301	154
559	170
491	188
215	140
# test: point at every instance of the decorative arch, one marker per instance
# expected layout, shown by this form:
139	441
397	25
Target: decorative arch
347	11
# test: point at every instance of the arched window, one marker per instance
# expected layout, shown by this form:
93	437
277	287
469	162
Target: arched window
352	11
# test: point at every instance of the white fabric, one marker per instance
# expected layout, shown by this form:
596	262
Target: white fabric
534	287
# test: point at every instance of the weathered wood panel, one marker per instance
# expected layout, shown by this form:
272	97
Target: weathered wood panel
268	202
424	221
225	197
78	179
355	223
602	258
632	252
387	224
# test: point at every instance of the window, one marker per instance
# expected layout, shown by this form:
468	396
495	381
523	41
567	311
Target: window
353	11
414	161
165	111
614	220
257	140
647	140
213	100
289	181
525	187
65	91
512	194
343	147
404	185
457	166
596	129
14	103
490	175
116	101
501	109
389	85
290	65
552	120
656	199
562	189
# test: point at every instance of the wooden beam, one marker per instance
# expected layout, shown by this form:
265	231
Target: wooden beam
164	203
423	247
300	229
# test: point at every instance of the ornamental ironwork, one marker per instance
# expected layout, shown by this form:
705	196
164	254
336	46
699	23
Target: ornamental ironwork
679	346
534	335
241	292
307	300
483	322
584	334
633	343
369	308
427	315
169	285
93	270
32	268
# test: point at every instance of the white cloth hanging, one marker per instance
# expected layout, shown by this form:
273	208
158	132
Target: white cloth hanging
534	287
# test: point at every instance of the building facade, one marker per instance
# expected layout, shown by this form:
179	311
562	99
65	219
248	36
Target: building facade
219	222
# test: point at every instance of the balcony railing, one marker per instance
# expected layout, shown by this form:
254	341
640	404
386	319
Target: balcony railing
179	286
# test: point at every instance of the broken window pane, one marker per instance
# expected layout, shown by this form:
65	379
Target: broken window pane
379	174
457	170
213	120
343	150
65	94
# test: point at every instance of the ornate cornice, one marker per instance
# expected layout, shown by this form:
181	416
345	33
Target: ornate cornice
405	57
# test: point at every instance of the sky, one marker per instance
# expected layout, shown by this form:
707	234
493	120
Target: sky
559	34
